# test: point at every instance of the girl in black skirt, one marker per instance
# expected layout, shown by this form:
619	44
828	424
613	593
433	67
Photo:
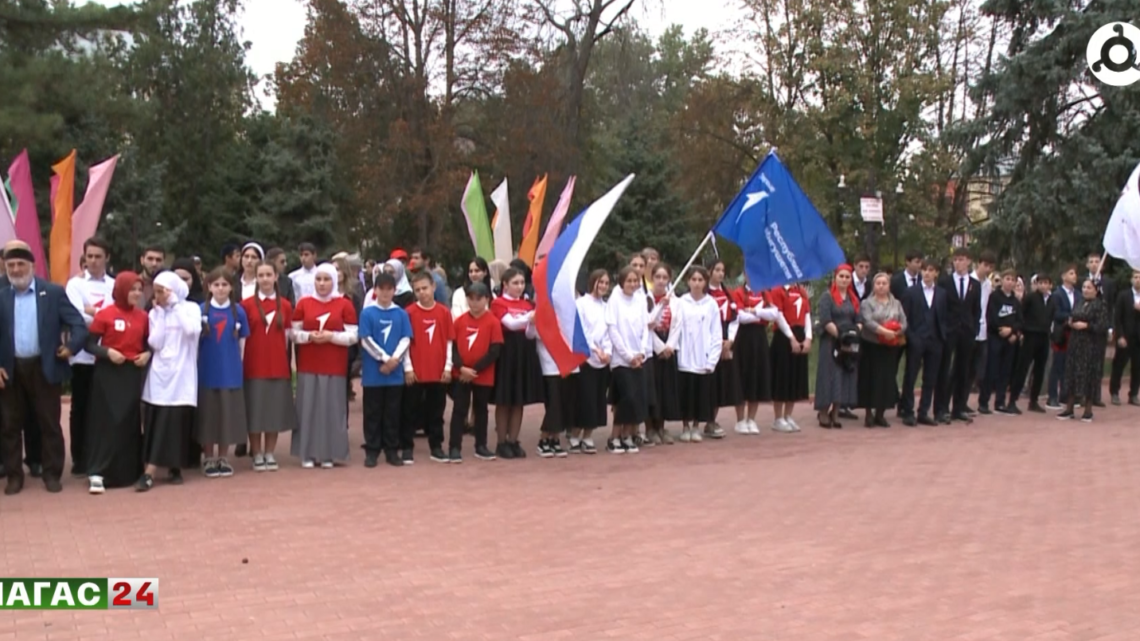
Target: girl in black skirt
628	321
750	351
594	379
790	350
727	375
638	263
518	374
696	336
668	405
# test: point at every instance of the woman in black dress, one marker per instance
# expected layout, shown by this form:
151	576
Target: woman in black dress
1083	366
884	329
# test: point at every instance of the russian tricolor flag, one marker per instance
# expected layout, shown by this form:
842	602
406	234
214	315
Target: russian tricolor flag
556	312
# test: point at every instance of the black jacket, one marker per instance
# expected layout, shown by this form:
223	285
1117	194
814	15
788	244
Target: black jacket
1036	316
1004	311
965	315
1125	318
900	283
914	305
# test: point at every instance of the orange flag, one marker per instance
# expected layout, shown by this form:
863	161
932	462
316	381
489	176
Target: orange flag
529	246
59	249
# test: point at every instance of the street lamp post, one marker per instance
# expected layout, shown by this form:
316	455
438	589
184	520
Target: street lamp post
898	213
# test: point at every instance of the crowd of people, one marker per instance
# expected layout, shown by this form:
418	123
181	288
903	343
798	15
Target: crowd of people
172	368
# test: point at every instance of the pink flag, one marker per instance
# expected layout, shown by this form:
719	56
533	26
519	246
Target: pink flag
554	227
27	220
85	220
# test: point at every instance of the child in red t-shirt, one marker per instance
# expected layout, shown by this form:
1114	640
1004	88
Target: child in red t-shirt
427	369
478	339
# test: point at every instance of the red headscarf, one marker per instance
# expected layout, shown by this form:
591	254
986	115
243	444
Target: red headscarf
123	284
851	294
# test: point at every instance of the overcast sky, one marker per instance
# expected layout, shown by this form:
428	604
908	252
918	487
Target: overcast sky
274	26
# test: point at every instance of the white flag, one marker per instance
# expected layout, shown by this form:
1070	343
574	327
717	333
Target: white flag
1122	238
501	224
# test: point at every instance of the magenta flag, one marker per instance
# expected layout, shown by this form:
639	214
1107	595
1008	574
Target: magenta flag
554	227
27	220
85	220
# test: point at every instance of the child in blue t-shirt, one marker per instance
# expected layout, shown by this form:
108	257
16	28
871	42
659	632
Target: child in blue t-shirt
385	335
221	402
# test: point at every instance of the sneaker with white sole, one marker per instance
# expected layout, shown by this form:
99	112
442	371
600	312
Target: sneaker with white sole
695	435
792	422
258	463
742	427
614	446
308	464
686	435
224	468
270	463
326	465
588	446
753	428
95	484
783	426
630	445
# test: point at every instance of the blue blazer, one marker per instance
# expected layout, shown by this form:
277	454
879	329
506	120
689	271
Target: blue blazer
57	315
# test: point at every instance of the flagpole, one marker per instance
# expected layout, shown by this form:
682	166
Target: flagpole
1100	266
700	248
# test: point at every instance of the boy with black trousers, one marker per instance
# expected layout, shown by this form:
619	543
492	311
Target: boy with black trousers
1003	324
427	369
479	337
1037	317
927	316
385	335
1126	323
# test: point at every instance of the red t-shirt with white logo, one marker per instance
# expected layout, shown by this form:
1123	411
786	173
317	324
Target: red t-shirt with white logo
431	332
748	299
122	330
793	303
266	350
474	337
328	359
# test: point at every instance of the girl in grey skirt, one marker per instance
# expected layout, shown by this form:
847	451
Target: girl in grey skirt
268	376
221	403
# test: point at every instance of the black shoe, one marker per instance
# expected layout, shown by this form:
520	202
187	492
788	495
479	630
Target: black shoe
241	450
1011	410
438	455
78	472
925	420
15	484
392	458
1116	399
556	445
544	449
869	420
370	460
1132	400
145	482
909	421
969	411
505	451
35	470
52	484
484	454
961	417
407	457
455	455
984	409
1087	417
1098	403
1034	407
943	419
881	421
175	477
517	449
1065	415
848	414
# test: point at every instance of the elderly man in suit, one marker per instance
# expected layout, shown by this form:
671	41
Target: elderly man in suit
34	315
928	322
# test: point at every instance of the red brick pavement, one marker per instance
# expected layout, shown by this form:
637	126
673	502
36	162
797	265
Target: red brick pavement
1020	529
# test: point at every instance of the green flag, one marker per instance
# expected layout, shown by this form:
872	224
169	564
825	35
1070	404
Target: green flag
478	225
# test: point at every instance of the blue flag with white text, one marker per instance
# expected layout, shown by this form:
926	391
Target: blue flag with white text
782	235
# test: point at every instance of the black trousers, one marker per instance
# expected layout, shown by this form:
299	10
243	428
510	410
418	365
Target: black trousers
1035	353
954	374
978	366
382	418
423	406
1125	356
466	395
29	398
81	376
924	355
1000	355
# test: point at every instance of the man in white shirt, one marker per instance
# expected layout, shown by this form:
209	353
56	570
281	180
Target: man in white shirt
859	278
1061	306
303	284
987	260
89	292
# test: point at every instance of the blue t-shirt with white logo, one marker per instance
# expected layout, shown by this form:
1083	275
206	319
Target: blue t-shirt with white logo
384	328
219	350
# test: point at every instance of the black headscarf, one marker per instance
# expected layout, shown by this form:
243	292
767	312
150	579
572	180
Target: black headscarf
197	292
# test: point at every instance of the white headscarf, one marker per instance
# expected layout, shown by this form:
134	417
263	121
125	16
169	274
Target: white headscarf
260	251
178	289
402	286
330	269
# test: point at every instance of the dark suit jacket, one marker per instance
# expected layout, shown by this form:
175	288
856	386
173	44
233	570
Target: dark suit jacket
915	307
963	315
1124	316
900	284
1061	311
868	287
285	288
56	315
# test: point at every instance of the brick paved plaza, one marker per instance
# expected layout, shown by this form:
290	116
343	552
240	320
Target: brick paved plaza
1014	529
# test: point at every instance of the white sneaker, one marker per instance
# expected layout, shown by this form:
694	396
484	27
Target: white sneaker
742	427
270	463
686	435
695	435
96	484
308	464
753	428
783	426
795	426
326	465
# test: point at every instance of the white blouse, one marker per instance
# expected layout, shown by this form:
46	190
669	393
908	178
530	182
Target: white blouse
627	323
172	379
695	334
459	303
592	313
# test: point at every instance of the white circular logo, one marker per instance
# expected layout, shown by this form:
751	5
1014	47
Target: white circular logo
1113	54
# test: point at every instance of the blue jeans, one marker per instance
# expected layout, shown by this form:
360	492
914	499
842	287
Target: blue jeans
1056	378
